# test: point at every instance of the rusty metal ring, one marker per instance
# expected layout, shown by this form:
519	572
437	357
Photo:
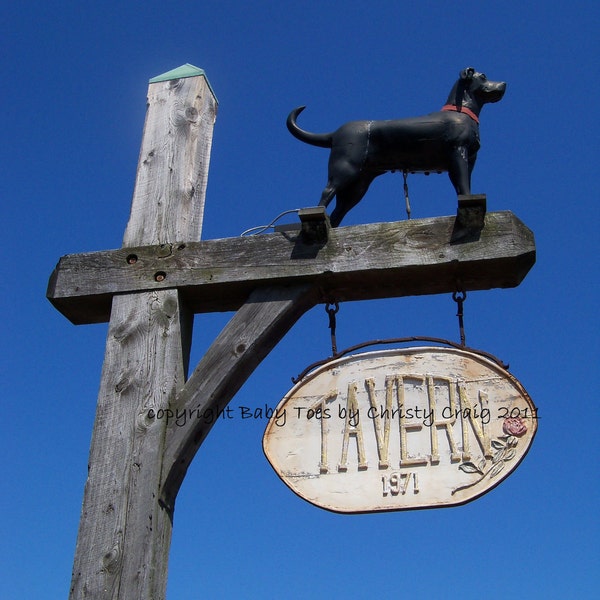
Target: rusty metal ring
334	310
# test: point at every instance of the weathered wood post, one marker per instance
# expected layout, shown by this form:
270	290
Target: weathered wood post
125	532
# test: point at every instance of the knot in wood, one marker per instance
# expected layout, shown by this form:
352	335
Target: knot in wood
191	114
164	250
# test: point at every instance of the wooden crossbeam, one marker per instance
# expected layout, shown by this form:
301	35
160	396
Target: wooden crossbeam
362	262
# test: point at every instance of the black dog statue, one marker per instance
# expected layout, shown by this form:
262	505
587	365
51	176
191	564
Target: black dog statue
447	140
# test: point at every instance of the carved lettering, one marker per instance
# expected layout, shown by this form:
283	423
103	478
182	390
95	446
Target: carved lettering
398	483
438	404
397	383
352	428
320	408
472	417
382	437
449	387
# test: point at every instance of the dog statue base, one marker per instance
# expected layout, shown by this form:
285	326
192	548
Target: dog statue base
470	217
315	225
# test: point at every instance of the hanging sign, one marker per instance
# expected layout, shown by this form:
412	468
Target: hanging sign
401	429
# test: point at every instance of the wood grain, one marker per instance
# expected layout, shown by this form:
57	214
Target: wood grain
124	534
358	263
170	186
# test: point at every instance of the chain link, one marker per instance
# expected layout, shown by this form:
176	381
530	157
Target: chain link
459	298
406	198
331	308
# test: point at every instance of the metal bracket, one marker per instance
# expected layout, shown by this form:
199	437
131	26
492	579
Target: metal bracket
470	217
471	211
314	225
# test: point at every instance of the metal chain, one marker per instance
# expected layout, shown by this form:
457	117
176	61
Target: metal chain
331	308
459	298
406	198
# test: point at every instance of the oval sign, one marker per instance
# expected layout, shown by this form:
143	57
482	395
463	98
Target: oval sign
400	429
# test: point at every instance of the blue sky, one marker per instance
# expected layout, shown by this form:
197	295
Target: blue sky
75	79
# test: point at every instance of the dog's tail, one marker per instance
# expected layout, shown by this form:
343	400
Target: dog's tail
323	140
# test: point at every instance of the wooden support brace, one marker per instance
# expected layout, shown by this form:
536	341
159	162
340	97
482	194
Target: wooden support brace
246	340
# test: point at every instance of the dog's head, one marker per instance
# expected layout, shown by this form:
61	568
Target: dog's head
478	87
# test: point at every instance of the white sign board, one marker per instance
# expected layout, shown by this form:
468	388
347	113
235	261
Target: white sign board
400	429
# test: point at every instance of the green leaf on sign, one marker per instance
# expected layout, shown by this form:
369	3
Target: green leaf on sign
496	469
498	456
469	467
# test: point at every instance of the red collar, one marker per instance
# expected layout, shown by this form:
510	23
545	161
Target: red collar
462	109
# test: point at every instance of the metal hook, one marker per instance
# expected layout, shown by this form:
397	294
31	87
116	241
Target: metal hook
459	298
331	308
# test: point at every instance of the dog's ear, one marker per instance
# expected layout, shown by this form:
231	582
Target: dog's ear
467	73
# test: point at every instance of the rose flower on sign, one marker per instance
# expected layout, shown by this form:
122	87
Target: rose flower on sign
514	426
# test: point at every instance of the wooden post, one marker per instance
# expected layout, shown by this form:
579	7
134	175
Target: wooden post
125	531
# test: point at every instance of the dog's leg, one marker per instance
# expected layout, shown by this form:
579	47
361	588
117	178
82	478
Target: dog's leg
459	170
349	197
343	173
328	194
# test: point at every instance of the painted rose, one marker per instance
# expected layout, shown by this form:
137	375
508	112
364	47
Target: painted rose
514	426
